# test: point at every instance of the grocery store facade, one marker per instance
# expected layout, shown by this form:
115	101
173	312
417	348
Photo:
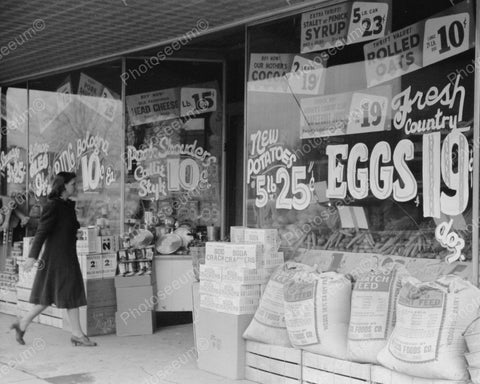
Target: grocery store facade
321	119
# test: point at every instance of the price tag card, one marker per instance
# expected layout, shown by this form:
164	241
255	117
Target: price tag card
108	105
306	77
368	113
353	217
324	116
395	55
367	21
64	95
445	37
268	72
198	100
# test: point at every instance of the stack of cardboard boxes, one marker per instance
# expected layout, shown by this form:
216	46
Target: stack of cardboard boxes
97	256
231	284
51	316
136	298
8	280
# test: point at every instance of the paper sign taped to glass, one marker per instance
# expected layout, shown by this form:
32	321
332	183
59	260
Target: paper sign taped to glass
347	113
414	47
343	24
353	217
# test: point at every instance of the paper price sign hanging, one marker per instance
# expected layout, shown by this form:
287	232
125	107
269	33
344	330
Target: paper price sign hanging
368	21
64	95
394	56
445	37
342	24
306	77
345	113
371	113
419	45
268	71
154	106
108	105
198	100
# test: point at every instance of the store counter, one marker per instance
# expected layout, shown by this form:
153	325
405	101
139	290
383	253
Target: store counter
174	276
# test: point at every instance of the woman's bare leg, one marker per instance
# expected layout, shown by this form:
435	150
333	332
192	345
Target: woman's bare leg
34	312
74	316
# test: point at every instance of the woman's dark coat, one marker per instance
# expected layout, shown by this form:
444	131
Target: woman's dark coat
59	279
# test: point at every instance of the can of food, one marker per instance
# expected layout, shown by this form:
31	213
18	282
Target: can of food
213	233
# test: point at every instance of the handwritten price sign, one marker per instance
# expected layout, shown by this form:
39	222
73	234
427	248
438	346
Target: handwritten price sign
198	100
368	21
267	187
445	37
306	77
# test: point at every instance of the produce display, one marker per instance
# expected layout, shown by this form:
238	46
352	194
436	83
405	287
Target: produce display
417	242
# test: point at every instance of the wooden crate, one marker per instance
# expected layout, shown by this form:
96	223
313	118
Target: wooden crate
381	375
318	369
271	364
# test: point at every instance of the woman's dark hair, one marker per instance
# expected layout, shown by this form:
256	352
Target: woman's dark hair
59	182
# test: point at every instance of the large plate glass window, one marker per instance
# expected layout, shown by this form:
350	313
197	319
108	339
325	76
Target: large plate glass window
76	126
360	126
173	158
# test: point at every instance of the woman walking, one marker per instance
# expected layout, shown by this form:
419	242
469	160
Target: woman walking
59	279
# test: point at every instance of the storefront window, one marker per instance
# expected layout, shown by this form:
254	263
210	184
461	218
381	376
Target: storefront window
360	128
174	120
13	165
76	126
13	156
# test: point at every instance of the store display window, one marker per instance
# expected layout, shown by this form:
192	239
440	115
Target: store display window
75	125
360	128
13	163
173	155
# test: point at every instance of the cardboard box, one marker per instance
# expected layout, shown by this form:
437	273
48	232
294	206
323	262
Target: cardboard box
210	272
220	346
209	301
27	244
91	265
136	299
238	305
107	244
237	234
100	292
236	290
134	281
244	276
210	287
87	239
26	279
267	237
243	255
215	253
109	265
273	260
141	324
94	321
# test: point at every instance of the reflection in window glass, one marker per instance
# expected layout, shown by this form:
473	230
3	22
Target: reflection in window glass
13	161
174	146
79	129
360	138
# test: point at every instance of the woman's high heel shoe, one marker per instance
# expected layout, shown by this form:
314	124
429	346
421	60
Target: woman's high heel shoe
82	341
18	332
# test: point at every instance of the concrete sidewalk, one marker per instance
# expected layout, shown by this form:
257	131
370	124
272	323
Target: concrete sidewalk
166	357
